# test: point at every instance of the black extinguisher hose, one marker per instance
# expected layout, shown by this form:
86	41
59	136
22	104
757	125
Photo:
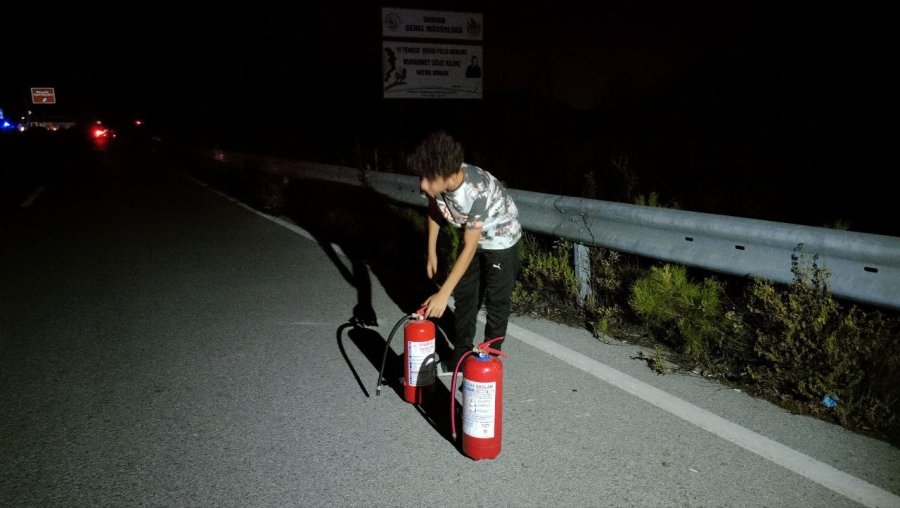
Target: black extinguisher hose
387	347
419	314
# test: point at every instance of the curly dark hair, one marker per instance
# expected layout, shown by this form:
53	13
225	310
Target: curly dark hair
437	155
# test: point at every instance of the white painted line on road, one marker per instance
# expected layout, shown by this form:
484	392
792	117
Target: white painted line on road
31	197
281	222
845	484
819	472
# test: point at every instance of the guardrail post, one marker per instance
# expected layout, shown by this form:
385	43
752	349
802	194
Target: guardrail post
582	258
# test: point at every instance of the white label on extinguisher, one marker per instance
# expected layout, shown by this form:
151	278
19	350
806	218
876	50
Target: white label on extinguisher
420	371
479	404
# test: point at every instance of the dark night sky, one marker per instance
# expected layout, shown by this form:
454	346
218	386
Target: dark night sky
163	56
801	87
583	56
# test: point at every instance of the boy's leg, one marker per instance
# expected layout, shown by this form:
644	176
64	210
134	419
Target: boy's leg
465	311
502	269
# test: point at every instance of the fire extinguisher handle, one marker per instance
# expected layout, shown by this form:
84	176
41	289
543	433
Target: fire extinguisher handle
420	314
492	351
486	347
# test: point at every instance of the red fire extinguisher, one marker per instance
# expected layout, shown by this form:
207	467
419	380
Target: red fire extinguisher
482	401
418	357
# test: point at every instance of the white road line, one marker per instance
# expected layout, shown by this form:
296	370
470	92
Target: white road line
845	484
33	196
281	222
819	472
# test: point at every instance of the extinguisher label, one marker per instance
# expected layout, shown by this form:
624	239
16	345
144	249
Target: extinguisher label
479	405
421	363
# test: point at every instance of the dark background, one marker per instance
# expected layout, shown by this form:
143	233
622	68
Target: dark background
777	112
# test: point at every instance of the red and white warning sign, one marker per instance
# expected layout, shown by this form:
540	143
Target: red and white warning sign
43	96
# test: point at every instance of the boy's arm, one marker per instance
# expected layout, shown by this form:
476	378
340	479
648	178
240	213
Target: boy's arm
437	303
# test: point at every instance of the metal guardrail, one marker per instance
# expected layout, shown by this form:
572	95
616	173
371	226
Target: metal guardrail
863	267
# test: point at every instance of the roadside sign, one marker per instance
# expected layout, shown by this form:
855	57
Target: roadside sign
417	70
415	65
43	96
419	24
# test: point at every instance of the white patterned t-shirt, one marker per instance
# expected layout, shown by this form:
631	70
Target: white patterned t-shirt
482	201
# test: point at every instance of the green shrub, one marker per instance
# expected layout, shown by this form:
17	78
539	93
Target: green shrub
602	317
652	199
612	275
685	313
546	276
809	347
607	270
839	224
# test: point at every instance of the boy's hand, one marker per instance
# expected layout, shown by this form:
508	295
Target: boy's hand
436	305
432	266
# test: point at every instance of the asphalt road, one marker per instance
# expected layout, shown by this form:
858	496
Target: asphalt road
162	345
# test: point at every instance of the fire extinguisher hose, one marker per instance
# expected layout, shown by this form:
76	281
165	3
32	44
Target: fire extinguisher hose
419	314
387	348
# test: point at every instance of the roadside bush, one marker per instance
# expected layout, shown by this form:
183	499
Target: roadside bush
808	346
546	280
652	200
613	273
686	314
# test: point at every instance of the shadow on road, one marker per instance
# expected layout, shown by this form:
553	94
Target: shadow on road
436	408
374	238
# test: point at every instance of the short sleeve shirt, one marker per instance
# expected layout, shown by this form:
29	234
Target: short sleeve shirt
482	201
